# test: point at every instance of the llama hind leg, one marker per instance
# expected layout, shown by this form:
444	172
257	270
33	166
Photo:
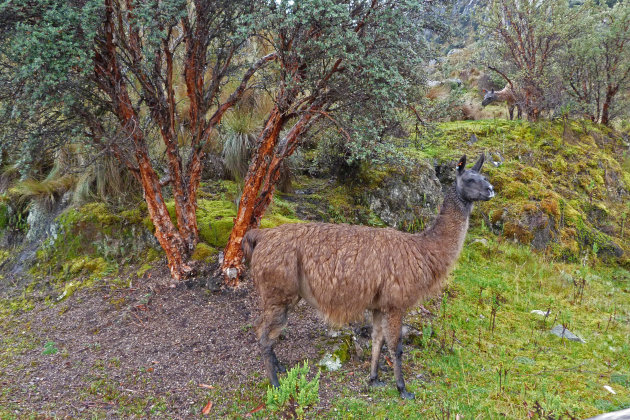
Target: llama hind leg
394	343
273	319
378	338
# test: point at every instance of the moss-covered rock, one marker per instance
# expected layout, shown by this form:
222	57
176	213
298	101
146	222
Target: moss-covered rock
89	238
405	197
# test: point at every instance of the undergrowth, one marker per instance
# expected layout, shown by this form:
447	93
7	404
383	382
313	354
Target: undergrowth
295	393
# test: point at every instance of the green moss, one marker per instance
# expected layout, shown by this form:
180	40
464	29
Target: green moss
4	216
204	253
99	213
85	265
134	215
4	255
215	221
153	254
143	269
68	290
274	220
343	350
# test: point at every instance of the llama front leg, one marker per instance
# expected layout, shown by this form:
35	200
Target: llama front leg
511	111
273	319
394	343
378	338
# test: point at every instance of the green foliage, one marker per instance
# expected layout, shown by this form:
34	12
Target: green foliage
522	40
295	393
52	41
381	54
596	63
50	348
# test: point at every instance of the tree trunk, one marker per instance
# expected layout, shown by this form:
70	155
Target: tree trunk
260	185
110	79
165	232
246	215
606	107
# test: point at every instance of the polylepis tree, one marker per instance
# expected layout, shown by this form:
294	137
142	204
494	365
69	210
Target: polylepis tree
147	81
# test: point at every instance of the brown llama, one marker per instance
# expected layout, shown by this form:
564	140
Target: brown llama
504	95
343	270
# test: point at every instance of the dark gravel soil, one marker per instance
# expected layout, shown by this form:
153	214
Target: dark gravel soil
147	351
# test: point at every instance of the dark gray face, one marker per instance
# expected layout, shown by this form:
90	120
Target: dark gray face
489	97
470	184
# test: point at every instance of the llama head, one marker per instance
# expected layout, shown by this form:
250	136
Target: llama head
489	97
470	184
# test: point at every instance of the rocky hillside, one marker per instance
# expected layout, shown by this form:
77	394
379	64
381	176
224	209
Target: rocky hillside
563	190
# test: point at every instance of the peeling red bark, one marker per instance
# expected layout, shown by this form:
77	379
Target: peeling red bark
245	216
109	77
260	184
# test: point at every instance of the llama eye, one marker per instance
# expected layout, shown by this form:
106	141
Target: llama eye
470	181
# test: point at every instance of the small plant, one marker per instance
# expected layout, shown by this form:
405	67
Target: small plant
503	377
578	289
496	304
50	348
427	332
294	394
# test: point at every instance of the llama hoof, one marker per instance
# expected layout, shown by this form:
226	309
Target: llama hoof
280	368
376	383
405	395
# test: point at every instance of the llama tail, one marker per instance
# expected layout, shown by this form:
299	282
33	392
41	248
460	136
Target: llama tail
250	240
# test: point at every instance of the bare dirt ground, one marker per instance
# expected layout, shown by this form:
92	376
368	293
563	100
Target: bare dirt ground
147	351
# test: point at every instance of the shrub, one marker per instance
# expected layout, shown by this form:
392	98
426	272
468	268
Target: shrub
295	393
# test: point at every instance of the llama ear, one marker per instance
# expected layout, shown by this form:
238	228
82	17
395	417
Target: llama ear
461	165
479	164
492	91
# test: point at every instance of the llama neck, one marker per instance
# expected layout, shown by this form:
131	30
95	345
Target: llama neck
505	94
448	231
